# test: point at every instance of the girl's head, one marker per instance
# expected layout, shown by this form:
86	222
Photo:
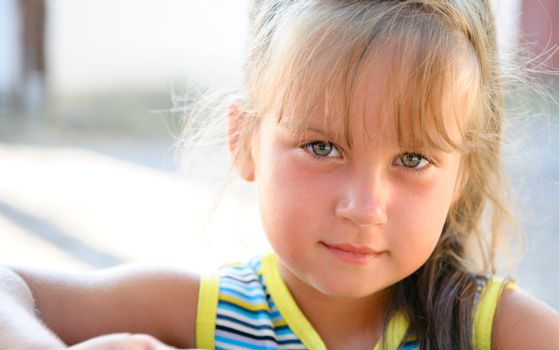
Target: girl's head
372	129
434	67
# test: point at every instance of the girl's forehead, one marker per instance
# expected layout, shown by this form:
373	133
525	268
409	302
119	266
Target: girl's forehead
387	101
408	76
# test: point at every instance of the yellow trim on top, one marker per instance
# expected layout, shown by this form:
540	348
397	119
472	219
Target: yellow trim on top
288	307
206	314
485	312
395	332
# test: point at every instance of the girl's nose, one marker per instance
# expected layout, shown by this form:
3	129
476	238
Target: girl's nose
363	203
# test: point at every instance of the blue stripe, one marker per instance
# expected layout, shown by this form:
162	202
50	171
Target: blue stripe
409	346
289	341
283	330
256	314
247	297
244	285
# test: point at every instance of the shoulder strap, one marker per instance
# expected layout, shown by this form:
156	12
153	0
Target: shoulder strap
207	311
485	312
288	307
395	333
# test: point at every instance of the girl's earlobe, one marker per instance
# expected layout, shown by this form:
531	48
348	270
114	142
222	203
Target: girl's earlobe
238	142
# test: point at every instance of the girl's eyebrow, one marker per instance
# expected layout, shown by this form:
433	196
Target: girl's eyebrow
432	150
302	130
329	133
316	130
325	128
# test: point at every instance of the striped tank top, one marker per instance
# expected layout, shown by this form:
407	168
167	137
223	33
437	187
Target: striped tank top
248	306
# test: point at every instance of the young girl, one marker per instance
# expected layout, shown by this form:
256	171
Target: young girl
372	132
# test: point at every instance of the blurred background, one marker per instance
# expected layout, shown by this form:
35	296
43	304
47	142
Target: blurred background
92	93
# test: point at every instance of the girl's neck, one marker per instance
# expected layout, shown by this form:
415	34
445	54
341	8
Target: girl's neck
342	323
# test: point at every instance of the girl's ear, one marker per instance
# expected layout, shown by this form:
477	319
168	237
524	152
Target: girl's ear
239	142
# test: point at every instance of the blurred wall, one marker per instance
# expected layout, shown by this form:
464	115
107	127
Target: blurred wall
123	49
540	28
9	51
100	45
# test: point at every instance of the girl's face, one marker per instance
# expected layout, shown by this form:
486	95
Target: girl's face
351	221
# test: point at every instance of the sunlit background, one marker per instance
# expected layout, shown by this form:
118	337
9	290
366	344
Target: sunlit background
89	122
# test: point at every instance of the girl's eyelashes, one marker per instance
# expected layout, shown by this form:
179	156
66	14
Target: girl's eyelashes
322	149
412	161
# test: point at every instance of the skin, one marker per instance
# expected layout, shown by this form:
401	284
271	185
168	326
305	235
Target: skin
363	196
129	300
523	322
317	209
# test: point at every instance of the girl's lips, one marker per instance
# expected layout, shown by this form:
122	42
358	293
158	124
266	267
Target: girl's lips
352	254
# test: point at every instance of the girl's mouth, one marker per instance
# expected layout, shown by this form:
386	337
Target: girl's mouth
352	254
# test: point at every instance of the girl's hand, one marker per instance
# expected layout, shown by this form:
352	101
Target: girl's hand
122	341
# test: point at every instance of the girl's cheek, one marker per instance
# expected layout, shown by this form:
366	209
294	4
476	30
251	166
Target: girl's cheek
420	208
302	167
434	186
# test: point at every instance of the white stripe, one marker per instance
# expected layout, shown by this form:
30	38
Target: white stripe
292	346
288	336
228	346
241	270
242	328
227	335
256	322
242	289
246	279
252	284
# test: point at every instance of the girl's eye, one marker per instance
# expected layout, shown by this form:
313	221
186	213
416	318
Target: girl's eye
412	160
322	149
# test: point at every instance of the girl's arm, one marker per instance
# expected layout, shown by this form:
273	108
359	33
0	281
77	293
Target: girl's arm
79	306
522	322
18	324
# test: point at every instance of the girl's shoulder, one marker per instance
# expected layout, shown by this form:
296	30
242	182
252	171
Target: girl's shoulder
524	322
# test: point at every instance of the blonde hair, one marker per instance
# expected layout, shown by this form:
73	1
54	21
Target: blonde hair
302	51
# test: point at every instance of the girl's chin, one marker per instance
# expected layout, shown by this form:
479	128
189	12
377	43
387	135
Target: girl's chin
341	289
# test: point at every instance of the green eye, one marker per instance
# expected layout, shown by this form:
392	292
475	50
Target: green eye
322	149
412	160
